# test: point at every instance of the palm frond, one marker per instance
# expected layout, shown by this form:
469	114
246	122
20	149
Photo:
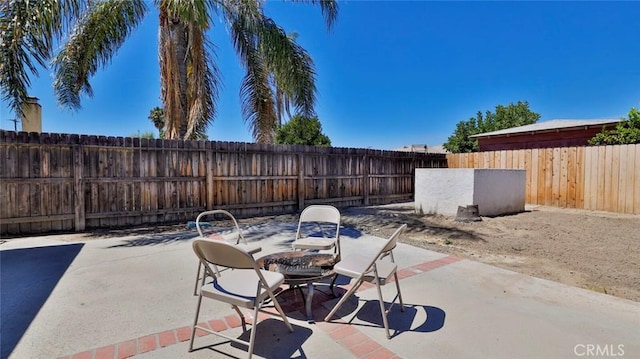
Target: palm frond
27	32
329	10
255	93
292	67
93	42
203	81
193	12
231	10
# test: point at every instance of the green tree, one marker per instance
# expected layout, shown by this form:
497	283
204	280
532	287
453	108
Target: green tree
139	134
302	130
189	77
504	117
626	131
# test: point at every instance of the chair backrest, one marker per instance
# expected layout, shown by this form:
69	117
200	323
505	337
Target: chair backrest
223	212
388	247
320	213
220	253
393	240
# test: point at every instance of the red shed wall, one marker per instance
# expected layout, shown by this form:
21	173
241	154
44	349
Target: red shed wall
560	138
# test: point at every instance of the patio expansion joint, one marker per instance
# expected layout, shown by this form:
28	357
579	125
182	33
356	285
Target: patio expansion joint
351	338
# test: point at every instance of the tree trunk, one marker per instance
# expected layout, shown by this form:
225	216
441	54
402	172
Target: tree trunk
173	40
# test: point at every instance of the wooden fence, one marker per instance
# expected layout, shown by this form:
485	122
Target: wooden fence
604	178
59	182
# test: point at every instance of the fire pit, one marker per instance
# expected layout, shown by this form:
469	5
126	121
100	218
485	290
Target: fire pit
301	268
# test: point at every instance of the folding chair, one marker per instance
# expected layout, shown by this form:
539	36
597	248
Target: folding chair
376	270
318	214
244	285
250	248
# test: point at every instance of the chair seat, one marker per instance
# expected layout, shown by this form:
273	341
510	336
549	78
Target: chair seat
354	266
314	243
239	286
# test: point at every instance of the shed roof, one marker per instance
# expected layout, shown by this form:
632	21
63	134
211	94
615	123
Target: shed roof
549	126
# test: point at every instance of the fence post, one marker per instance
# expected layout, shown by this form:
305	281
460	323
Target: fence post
301	185
209	183
365	179
78	189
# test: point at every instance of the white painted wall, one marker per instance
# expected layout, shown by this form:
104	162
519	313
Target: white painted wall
495	191
442	190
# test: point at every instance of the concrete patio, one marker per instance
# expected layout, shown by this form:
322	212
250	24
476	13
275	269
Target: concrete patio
81	296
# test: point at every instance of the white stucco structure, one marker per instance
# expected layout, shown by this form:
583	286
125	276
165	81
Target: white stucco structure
495	191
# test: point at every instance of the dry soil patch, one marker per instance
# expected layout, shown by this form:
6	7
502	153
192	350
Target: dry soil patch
593	250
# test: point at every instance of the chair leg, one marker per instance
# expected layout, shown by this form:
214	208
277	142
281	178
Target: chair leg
195	322
341	301
395	275
242	318
252	336
383	311
195	287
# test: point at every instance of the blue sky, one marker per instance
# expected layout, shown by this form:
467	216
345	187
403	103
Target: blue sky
393	73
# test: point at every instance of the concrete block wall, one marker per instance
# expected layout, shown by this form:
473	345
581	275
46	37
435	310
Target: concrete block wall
495	191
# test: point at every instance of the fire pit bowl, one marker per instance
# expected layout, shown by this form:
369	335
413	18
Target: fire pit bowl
302	266
301	269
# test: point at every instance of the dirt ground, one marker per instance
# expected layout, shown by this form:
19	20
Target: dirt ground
594	250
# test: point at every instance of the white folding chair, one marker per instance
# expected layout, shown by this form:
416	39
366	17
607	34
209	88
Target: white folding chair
239	241
374	269
319	214
244	285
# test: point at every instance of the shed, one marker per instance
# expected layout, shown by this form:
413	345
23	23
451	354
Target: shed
553	133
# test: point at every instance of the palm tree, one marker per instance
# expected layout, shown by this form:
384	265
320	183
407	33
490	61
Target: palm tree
156	115
27	34
189	77
283	95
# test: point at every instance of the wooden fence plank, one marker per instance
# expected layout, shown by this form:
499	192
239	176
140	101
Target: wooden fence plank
612	192
549	189
78	188
533	173
592	189
601	174
563	192
579	179
571	177
630	175
620	189
636	186
608	178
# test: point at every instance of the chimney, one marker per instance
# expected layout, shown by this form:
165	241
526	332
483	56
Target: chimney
32	115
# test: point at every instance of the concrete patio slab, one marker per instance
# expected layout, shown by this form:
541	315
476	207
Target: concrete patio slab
123	296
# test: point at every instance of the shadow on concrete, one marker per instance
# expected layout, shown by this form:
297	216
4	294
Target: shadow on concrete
252	233
273	340
157	239
433	318
28	277
400	321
